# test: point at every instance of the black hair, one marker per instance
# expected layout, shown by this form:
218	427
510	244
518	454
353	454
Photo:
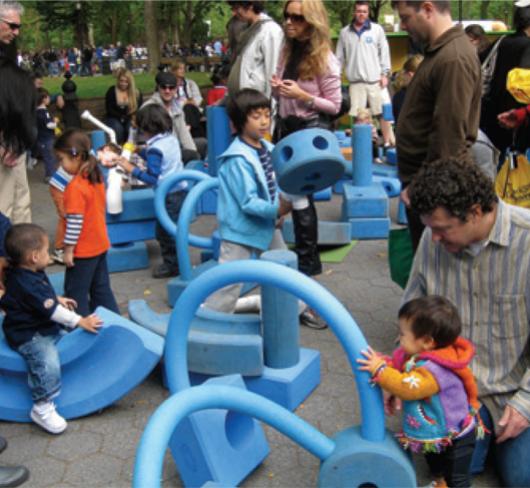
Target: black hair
432	316
441	5
42	93
242	104
521	18
75	142
220	73
22	239
256	6
154	119
453	184
17	108
477	33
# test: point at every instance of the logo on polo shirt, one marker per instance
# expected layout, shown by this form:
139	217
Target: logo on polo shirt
48	303
368	40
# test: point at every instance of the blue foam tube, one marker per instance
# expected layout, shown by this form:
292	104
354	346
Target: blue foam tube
291	281
388	115
281	329
362	155
161	425
97	139
219	135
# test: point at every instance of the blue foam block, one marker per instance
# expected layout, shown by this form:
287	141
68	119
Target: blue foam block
338	187
392	186
329	233
384	170
402	213
323	195
218	445
96	369
370	228
218	343
123	232
127	257
208	203
362	202
391	156
137	205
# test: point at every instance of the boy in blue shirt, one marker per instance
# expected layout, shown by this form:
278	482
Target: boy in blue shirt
249	204
33	314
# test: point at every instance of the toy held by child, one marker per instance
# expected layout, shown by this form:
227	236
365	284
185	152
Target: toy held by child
430	373
86	242
36	319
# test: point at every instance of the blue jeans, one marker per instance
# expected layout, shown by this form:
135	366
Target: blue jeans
510	457
88	283
44	366
48	156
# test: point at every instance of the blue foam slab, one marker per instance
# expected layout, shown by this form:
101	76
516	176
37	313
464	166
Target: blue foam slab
391	156
344	140
392	186
338	187
402	213
370	228
208	203
218	343
127	257
384	170
323	195
329	233
177	285
123	232
364	201
137	205
97	369
218	445
57	281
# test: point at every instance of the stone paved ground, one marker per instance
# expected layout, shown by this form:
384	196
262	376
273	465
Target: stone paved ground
98	451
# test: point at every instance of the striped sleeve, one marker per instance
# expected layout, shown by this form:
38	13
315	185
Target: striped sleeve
74	224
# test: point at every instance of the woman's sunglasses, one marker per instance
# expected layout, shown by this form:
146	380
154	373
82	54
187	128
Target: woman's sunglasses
294	18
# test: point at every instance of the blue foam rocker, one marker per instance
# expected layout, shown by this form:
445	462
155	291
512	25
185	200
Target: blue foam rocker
307	161
97	369
364	455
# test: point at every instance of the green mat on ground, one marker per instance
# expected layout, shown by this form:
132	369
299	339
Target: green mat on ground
336	254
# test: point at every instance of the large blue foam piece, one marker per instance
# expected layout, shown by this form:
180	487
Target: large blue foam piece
370	228
329	233
384	170
307	161
97	139
97	369
137	205
362	155
127	257
388	115
323	195
123	232
208	203
218	445
219	135
364	201
218	343
392	186
391	156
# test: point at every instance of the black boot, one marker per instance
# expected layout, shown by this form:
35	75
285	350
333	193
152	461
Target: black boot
306	239
13	476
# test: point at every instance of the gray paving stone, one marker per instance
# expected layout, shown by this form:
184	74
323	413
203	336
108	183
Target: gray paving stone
74	445
46	471
95	470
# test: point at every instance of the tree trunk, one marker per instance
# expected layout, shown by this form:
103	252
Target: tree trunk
151	31
484	9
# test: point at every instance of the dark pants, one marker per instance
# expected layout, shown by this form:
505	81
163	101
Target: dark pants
88	283
121	129
305	224
454	464
48	157
168	248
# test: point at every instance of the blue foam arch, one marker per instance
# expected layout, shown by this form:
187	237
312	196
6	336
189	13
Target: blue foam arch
97	369
157	434
301	286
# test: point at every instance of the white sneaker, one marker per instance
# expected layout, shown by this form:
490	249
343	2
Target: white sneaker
46	416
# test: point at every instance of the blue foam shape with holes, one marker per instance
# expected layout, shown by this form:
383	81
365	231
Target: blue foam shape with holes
370	228
392	186
307	161
137	205
96	369
127	257
123	232
329	233
217	445
364	201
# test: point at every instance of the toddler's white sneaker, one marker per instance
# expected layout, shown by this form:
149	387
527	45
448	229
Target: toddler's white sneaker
45	415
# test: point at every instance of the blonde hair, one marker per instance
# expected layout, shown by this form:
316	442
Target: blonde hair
132	92
176	65
364	114
411	65
315	62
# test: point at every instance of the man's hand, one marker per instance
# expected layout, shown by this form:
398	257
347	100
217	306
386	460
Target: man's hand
285	207
68	256
91	323
68	303
391	403
511	424
405	197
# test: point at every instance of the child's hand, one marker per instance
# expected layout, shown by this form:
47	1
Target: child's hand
68	303
372	362
90	323
285	207
123	163
68	256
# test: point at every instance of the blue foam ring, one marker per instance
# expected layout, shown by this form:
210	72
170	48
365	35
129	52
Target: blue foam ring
362	155
164	188
307	161
97	139
184	238
291	281
388	114
219	135
157	434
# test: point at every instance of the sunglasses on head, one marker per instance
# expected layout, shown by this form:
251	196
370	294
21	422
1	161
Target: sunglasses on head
12	25
167	87
294	18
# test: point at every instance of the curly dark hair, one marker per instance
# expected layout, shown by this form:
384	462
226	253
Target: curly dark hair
453	184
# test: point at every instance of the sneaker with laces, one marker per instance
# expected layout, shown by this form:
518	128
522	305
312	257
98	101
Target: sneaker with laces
47	417
311	319
58	256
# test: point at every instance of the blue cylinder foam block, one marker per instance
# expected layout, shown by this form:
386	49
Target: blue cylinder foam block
98	139
307	161
219	135
281	330
388	115
402	213
362	155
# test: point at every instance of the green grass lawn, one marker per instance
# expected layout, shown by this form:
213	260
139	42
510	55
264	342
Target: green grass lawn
97	86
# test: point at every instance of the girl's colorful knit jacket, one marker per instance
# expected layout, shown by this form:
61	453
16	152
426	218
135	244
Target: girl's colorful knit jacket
439	394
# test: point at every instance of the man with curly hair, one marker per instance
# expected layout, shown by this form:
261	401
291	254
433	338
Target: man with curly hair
475	252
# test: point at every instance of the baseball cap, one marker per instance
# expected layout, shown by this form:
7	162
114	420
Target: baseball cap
165	78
